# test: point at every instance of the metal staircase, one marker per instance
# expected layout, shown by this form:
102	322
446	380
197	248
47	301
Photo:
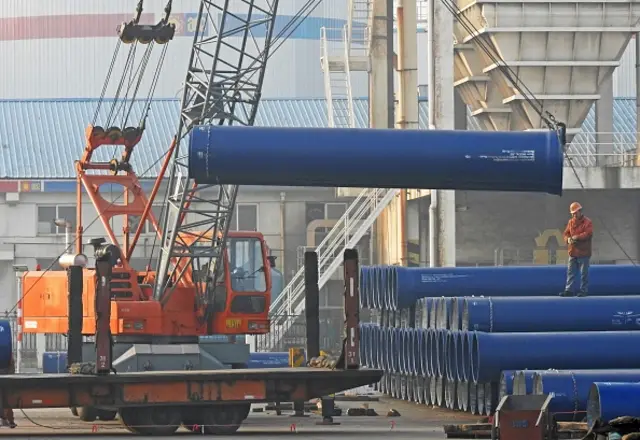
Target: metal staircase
337	79
344	51
347	232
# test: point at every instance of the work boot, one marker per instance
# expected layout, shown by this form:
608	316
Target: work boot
582	294
566	293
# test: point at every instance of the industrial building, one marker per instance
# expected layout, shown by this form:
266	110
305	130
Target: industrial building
36	160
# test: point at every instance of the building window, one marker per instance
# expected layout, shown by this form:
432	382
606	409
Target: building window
334	211
47	215
325	211
134	220
245	217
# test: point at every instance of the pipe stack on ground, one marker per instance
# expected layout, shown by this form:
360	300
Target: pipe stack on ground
467	352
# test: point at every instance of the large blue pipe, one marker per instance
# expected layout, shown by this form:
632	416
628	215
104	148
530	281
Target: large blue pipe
405	285
608	400
551	314
491	353
571	388
6	344
377	158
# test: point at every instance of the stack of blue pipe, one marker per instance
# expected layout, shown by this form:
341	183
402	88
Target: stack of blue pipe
463	337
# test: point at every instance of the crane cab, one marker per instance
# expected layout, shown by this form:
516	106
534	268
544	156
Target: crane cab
242	294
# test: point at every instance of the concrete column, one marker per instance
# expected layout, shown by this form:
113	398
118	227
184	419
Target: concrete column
442	213
381	100
604	123
381	73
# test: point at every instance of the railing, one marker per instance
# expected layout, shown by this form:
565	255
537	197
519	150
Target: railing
602	149
26	354
295	335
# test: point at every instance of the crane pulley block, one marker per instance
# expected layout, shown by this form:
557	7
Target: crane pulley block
128	136
161	33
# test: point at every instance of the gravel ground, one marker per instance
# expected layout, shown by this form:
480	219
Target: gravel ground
415	422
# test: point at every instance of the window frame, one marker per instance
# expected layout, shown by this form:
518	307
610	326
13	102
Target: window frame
236	217
326	209
59	231
148	227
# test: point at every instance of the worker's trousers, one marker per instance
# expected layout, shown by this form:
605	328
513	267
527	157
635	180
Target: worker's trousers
575	266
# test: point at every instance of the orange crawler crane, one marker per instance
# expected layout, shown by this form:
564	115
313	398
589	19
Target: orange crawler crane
148	361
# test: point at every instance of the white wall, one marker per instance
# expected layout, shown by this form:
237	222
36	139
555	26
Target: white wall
77	67
624	77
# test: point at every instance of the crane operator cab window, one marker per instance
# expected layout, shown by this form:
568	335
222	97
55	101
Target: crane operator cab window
247	275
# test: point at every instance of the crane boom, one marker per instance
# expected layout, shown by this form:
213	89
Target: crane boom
223	86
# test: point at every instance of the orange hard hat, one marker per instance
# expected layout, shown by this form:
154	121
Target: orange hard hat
575	207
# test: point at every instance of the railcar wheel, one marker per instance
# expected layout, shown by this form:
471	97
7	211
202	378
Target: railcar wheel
216	419
107	415
87	413
152	421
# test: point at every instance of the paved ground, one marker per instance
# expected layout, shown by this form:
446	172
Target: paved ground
415	422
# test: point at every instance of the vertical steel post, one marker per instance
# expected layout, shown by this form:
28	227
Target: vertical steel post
74	331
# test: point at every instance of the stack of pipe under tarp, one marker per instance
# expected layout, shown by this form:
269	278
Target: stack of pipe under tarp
396	288
444	362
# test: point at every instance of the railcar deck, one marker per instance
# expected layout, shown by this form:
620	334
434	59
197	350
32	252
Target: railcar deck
178	387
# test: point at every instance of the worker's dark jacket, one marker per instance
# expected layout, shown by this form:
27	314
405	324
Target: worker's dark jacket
582	231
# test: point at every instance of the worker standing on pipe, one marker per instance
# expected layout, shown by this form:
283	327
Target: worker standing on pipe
578	234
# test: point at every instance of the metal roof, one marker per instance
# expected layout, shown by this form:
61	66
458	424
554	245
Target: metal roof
41	139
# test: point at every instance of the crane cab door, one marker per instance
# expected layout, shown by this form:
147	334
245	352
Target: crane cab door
243	292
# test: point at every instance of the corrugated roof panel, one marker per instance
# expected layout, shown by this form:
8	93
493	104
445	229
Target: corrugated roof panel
41	139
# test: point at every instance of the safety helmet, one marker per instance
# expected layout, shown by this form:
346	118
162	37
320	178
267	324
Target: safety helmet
575	207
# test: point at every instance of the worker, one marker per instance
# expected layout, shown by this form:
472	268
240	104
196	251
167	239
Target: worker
578	235
7	413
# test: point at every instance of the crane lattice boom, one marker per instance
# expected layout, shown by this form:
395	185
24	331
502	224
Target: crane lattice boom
223	86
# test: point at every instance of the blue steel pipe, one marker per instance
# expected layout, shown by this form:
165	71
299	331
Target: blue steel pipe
396	350
429	306
506	383
268	360
380	277
550	314
423	352
373	347
442	352
404	354
361	158
413	283
493	352
452	355
461	355
364	287
523	382
415	352
433	352
571	388
466	338
411	352
388	349
608	400
381	340
6	344
363	345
